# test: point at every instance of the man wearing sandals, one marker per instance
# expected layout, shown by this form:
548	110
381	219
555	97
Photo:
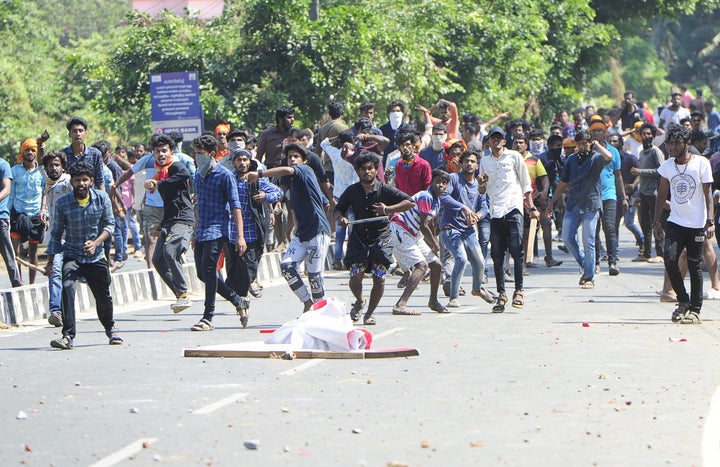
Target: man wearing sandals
584	202
462	208
415	246
369	247
508	187
688	179
215	191
86	219
172	181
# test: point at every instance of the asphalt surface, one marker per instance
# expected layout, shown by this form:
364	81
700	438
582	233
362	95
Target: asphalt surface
576	377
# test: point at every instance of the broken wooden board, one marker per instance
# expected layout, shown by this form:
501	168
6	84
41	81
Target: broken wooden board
261	350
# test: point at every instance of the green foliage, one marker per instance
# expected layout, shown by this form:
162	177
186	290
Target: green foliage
93	58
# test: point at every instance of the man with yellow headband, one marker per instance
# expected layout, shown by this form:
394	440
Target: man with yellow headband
633	143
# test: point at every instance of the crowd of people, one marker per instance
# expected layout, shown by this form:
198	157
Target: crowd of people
422	199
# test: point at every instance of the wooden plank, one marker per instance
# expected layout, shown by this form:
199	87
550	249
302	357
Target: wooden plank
532	230
255	352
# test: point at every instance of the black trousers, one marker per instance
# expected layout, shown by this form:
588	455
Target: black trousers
97	276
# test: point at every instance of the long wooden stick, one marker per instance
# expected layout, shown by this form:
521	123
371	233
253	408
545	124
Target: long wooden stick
30	265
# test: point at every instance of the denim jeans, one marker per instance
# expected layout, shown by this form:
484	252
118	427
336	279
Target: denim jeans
609	208
572	221
120	239
630	224
677	239
8	253
484	238
506	234
132	226
55	284
464	246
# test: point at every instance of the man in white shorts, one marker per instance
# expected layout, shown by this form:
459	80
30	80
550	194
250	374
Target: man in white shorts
415	246
312	230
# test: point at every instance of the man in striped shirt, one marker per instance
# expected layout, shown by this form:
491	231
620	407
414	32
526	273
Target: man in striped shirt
415	246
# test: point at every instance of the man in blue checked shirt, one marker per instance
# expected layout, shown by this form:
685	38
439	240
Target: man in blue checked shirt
242	268
85	218
215	191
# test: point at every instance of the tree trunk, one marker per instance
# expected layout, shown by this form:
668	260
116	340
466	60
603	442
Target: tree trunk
314	10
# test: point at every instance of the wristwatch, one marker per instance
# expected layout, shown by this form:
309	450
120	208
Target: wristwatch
534	208
708	222
260	173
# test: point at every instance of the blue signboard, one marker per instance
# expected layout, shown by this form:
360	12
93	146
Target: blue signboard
175	100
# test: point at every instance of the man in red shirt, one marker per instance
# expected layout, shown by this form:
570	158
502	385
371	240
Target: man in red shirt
412	173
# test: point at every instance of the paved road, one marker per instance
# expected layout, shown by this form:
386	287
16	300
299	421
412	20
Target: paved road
528	387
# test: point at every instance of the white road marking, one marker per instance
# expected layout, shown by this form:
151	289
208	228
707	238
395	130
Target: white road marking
221	403
312	363
123	454
301	367
711	432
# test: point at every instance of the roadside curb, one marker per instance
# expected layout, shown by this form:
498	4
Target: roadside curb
30	302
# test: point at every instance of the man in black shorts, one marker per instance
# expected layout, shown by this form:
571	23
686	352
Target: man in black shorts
369	247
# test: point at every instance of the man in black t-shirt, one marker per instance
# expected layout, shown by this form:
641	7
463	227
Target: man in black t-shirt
172	180
368	248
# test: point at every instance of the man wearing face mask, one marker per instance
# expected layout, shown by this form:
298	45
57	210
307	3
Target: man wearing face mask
412	173
651	157
242	269
581	174
551	160
216	192
613	192
236	140
56	186
396	114
433	154
630	182
536	142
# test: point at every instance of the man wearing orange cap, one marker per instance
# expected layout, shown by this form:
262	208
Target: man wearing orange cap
27	202
221	133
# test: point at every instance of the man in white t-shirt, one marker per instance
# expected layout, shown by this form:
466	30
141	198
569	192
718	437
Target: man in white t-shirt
674	112
688	179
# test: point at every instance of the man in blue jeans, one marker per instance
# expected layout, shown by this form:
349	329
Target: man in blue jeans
507	183
612	193
6	248
56	186
462	207
584	202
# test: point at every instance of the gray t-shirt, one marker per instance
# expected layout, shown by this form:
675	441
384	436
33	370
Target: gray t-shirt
649	161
